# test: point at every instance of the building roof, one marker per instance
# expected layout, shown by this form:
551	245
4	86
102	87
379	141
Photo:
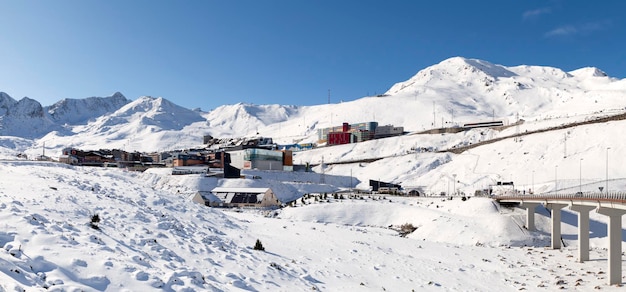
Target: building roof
239	195
239	190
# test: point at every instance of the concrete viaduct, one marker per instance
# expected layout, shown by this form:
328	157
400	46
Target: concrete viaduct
611	205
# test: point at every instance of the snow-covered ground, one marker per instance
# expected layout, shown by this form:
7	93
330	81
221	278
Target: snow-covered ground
149	238
152	237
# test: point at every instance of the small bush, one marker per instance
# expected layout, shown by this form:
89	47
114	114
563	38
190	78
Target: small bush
95	219
406	229
258	245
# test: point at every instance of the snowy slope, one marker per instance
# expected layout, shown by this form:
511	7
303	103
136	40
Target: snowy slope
150	239
153	237
24	118
146	124
461	90
484	89
80	111
146	238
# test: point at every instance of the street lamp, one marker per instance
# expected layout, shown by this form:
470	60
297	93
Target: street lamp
350	180
454	184
533	190
556	182
580	176
607	170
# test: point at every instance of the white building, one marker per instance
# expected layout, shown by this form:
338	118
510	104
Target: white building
256	158
239	197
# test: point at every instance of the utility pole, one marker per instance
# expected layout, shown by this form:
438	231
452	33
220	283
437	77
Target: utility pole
454	183
331	110
607	169
452	122
350	180
533	178
322	178
556	182
565	145
434	119
517	138
580	176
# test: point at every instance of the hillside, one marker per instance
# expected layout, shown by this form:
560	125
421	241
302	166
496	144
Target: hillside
447	94
151	238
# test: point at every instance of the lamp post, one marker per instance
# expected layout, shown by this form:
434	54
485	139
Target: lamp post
454	184
350	180
607	170
580	176
556	182
533	190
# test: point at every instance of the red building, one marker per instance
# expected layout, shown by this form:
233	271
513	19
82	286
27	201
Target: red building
338	138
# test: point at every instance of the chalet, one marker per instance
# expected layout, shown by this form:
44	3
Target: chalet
238	197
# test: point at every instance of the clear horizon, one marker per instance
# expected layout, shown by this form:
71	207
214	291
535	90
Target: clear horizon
209	53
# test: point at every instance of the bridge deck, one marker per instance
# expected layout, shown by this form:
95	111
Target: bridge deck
615	198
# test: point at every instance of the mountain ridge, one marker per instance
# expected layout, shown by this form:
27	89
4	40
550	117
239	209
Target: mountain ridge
449	93
79	111
27	118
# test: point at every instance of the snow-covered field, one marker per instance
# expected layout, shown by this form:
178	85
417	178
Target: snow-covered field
149	238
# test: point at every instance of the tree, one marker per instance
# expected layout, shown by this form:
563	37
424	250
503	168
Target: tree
95	219
258	245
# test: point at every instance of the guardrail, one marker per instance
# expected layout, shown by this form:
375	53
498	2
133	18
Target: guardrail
615	197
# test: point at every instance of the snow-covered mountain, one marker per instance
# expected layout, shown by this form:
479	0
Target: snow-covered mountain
453	92
26	118
477	88
146	120
80	111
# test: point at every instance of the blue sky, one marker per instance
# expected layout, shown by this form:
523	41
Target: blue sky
209	53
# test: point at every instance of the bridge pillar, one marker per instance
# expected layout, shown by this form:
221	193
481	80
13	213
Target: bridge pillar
583	230
530	214
615	243
555	209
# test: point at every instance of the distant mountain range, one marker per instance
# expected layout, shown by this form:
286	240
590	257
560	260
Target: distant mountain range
454	91
28	119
